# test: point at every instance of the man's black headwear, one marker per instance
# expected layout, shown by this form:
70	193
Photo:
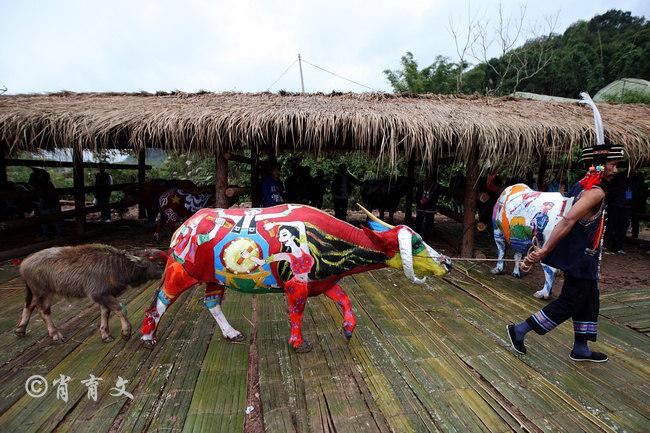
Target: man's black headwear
601	152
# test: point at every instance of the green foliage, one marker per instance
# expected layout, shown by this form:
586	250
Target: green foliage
586	57
439	77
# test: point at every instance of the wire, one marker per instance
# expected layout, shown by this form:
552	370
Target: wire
340	76
282	75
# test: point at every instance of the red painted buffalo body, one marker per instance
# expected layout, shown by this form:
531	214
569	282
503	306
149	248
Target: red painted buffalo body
294	249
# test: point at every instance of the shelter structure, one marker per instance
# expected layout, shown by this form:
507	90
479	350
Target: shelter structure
471	129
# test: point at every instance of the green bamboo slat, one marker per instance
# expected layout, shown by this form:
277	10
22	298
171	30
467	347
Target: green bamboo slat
43	355
546	360
91	356
219	399
101	415
458	344
282	389
337	399
445	417
64	311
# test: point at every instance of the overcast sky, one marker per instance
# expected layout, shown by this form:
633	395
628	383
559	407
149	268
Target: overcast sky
242	45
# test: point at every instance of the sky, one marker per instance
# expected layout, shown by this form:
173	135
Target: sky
244	45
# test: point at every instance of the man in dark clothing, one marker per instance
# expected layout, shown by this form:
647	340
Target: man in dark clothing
272	191
47	199
341	190
639	198
103	193
318	190
619	211
574	246
426	206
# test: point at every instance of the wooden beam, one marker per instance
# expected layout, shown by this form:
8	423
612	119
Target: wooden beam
68	164
220	180
19	224
64	191
469	217
79	193
141	178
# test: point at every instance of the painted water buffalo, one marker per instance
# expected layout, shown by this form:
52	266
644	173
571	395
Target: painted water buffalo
177	204
295	249
384	194
151	192
522	215
99	272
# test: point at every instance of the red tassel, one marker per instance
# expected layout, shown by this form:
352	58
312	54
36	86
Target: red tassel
592	178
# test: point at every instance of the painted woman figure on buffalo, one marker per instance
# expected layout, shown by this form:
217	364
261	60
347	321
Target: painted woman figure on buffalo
298	250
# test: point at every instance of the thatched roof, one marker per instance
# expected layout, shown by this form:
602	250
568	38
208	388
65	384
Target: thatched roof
505	129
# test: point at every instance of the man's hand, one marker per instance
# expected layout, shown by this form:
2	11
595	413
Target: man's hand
537	255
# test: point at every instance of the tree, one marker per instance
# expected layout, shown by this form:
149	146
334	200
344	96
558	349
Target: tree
439	77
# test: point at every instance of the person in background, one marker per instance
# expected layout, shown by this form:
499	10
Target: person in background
639	198
292	184
318	191
619	211
341	190
47	200
426	206
103	181
272	190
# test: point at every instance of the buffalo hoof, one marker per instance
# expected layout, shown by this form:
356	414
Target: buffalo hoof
107	339
126	337
347	334
304	347
148	344
496	271
236	339
541	295
20	332
516	275
57	337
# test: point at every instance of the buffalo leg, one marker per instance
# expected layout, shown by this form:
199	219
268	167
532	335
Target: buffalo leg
516	272
44	311
176	282
113	305
296	292
338	295
549	279
30	304
214	295
501	247
103	325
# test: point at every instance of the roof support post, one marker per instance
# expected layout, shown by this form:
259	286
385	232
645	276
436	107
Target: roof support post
408	202
79	194
220	180
141	178
469	216
4	180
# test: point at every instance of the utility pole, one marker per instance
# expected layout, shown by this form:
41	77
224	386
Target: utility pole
302	82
